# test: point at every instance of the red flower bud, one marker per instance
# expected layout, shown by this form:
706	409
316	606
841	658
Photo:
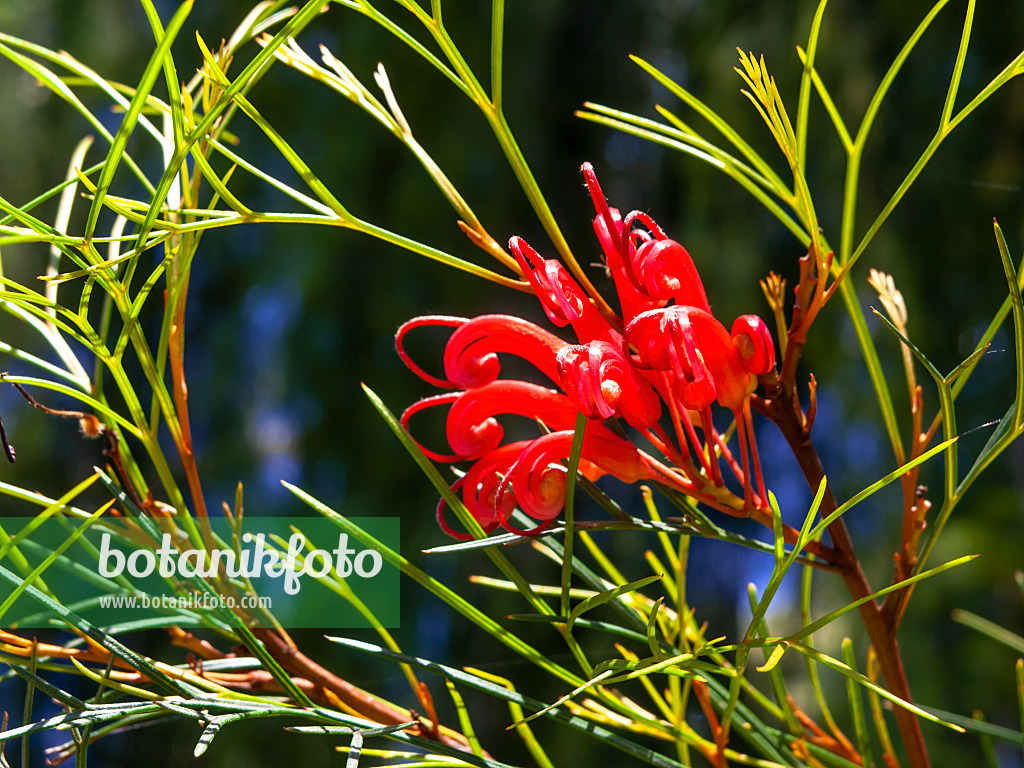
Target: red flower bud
754	344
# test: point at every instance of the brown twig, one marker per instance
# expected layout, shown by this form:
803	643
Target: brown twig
837	743
113	452
91	427
183	440
915	510
87	422
719	734
350	696
8	448
782	407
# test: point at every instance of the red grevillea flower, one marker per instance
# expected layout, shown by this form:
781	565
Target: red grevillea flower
672	355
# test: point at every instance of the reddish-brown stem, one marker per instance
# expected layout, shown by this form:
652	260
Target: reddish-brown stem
176	353
8	448
201	648
908	482
837	743
91	427
915	508
113	452
719	734
812	404
782	407
356	699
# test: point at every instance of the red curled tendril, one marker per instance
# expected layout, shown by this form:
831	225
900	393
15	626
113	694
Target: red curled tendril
537	476
471	355
439	515
420	405
419	322
473	431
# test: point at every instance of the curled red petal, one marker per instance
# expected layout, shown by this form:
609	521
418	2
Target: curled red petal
471	355
538	475
601	384
733	382
754	344
608	228
608	222
656	232
562	301
480	485
441	504
472	429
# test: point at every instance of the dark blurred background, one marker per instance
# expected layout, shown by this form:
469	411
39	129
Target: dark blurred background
286	321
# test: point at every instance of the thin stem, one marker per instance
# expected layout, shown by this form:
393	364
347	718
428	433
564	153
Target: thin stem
783	409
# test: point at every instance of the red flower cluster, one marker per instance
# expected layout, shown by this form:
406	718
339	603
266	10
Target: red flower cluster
666	352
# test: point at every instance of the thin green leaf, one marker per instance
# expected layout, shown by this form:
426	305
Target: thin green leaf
1001	436
47	687
454	503
748	726
608	595
48	561
143	665
826	99
804	104
570	498
1018	322
127	127
958	67
207	737
525	733
203	128
652	629
465	722
989	629
450	597
57	86
878	485
971	725
853	694
857	677
1019	675
833	615
588	727
717	122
